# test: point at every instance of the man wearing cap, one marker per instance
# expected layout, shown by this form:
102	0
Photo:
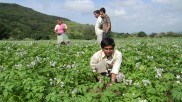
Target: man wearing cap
107	61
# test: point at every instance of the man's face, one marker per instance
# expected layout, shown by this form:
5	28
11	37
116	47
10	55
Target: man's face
108	50
101	13
96	15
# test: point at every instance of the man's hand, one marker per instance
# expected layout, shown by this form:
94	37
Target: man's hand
113	77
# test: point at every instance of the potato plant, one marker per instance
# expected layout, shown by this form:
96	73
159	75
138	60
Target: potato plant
42	71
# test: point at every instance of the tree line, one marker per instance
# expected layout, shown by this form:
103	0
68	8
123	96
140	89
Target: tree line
143	34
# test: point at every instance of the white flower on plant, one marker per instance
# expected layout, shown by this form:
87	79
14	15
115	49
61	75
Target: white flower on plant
50	79
51	83
178	82
140	100
68	66
75	90
128	82
31	43
55	78
159	72
136	84
146	82
175	46
178	77
139	52
53	63
38	59
137	65
62	84
150	57
32	64
18	65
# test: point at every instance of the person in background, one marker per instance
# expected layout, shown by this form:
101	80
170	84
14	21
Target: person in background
98	26
60	30
106	23
107	62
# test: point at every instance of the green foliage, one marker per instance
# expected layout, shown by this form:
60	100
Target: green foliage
88	32
43	71
3	31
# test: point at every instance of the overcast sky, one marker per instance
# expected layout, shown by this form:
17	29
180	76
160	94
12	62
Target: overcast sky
126	15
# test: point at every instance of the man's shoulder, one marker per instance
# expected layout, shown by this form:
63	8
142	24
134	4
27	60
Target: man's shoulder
118	52
98	53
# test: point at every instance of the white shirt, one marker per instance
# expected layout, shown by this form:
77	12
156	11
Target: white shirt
114	61
98	26
56	27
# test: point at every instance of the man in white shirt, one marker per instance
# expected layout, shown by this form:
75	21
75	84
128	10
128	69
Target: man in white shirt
98	26
107	61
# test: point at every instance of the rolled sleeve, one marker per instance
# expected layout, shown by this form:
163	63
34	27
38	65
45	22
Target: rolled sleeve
117	64
93	62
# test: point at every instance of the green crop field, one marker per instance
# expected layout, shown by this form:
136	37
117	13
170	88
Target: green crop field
42	71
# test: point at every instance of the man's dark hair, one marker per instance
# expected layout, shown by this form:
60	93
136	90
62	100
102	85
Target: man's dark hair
107	42
97	11
103	10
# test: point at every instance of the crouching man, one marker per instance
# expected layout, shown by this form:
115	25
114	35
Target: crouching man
107	61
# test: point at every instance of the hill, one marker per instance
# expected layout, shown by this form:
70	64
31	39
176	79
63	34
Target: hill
18	22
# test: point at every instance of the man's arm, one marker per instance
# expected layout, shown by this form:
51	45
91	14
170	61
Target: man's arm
113	78
116	67
93	63
108	24
108	27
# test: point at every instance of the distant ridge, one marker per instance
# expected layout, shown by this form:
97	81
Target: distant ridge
20	22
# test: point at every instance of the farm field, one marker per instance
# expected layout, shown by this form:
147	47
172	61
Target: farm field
42	71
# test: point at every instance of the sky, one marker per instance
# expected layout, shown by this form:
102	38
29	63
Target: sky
128	16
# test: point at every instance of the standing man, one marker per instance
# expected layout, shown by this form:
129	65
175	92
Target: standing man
107	61
98	26
106	23
60	29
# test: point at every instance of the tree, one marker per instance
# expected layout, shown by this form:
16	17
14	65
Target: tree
3	31
142	34
88	32
170	34
153	35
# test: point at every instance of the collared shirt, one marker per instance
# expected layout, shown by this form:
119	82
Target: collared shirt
113	61
98	26
105	21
